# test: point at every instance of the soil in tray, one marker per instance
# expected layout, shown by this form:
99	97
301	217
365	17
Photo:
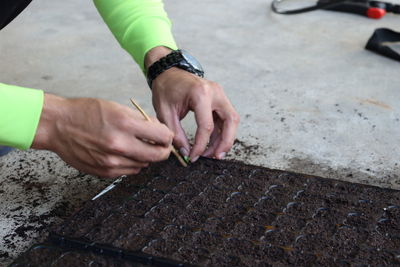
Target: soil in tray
221	213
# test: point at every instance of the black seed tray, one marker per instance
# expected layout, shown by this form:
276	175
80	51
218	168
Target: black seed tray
48	254
62	251
221	213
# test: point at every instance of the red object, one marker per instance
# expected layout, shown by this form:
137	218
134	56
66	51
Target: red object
375	12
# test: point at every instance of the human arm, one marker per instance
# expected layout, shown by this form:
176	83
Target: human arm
20	110
95	136
175	92
138	25
100	137
21	127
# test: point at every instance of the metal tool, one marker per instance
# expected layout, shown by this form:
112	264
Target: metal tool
111	186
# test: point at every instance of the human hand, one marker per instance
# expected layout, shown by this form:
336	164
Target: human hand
101	137
176	92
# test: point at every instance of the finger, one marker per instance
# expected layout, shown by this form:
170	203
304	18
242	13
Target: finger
135	149
205	126
117	161
214	140
180	139
210	151
146	152
154	131
230	124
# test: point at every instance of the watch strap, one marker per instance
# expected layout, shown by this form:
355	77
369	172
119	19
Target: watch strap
173	59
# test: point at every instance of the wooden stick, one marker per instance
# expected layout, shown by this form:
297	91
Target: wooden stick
177	155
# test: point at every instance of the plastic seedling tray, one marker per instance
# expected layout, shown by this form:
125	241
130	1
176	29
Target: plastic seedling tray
224	213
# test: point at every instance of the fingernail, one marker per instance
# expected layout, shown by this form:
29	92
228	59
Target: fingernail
194	159
221	155
184	152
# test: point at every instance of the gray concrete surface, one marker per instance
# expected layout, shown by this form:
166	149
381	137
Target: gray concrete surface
311	98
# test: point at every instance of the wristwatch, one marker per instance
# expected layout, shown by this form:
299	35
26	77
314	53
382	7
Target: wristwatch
177	58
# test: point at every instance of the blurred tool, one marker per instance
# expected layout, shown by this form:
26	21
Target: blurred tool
368	8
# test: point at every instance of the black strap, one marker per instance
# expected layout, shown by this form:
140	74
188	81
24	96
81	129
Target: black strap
9	9
389	7
381	41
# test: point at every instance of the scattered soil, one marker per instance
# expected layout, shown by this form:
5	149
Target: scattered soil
225	213
244	151
38	190
37	223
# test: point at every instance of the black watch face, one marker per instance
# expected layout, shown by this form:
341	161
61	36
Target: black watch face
192	61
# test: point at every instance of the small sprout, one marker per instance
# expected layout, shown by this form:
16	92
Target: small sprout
187	159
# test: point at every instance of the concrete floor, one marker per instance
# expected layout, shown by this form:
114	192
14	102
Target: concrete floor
311	98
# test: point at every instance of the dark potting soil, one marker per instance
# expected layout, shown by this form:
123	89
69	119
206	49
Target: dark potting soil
225	213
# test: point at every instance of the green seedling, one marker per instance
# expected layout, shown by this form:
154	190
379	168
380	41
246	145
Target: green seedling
187	159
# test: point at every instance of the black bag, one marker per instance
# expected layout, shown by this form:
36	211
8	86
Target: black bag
9	9
385	42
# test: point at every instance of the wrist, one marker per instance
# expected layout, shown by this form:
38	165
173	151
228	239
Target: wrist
155	54
174	59
51	113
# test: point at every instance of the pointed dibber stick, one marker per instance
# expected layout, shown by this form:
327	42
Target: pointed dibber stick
177	155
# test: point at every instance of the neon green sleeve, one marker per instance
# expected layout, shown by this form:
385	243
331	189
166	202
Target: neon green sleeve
20	110
138	25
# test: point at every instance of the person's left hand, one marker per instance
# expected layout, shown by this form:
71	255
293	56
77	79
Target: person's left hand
175	93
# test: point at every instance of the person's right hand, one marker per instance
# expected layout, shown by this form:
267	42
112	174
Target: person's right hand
101	137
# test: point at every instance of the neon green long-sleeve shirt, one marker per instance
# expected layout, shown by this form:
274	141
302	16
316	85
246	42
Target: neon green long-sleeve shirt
138	25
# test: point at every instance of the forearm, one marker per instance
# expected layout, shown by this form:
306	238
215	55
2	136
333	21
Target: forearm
138	25
20	110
